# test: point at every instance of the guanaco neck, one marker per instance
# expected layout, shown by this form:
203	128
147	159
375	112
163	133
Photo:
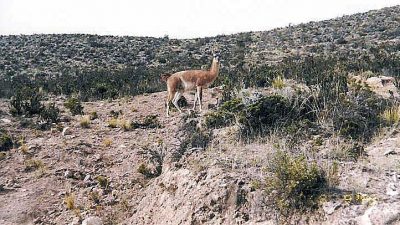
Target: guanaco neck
214	70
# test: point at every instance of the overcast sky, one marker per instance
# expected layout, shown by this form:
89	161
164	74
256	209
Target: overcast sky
175	18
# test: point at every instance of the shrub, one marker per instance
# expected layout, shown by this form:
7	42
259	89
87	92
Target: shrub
278	83
85	122
113	123
125	124
50	113
268	112
26	101
150	121
295	184
33	164
93	115
391	115
143	169
103	181
70	201
6	142
225	115
358	116
107	142
74	106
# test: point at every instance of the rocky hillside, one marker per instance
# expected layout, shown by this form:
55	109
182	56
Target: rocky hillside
304	130
367	41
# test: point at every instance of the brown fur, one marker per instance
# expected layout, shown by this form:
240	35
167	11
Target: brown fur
188	80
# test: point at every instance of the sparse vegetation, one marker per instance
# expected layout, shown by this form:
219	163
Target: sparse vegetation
149	121
103	181
69	201
113	123
93	115
6	141
74	105
278	82
295	184
391	115
107	142
85	122
33	164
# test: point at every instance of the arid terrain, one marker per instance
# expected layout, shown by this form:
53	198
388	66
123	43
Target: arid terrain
300	141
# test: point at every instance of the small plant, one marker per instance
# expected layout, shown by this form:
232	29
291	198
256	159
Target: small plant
295	184
125	124
33	164
103	181
150	121
278	83
50	113
93	115
74	106
391	115
70	201
6	142
24	149
107	142
85	122
26	101
113	123
143	169
2	155
95	197
115	114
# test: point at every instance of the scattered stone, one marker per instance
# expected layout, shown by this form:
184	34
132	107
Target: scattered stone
330	207
389	152
93	220
66	131
392	189
68	174
5	120
87	178
75	221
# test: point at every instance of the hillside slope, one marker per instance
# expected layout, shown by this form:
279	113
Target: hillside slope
300	138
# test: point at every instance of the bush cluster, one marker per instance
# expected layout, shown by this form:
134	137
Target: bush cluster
295	184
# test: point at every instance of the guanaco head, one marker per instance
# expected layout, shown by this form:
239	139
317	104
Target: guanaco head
164	77
217	57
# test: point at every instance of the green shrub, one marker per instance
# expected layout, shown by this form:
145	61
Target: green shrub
74	106
6	142
295	184
33	164
225	115
50	113
358	116
268	112
143	169
93	115
26	101
103	181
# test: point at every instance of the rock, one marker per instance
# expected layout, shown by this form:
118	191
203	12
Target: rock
330	207
68	174
66	131
392	189
385	213
383	86
87	178
93	220
5	120
75	221
388	152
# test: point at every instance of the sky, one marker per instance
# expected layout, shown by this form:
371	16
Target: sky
175	18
